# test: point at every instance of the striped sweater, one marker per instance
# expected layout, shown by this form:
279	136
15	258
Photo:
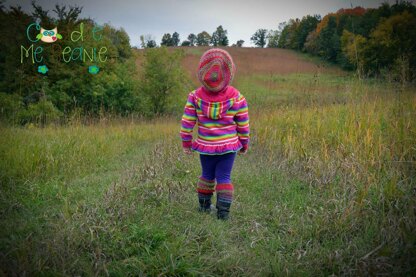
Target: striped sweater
223	122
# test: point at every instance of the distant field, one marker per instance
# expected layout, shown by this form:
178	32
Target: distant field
327	187
260	61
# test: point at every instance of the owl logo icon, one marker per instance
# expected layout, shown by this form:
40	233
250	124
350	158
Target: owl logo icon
49	36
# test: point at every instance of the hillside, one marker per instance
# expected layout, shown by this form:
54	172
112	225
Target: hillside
257	61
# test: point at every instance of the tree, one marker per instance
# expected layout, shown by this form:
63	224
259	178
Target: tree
41	14
259	38
288	35
192	39
203	39
175	39
186	43
273	38
329	41
394	43
166	40
147	41
151	44
67	17
219	37
306	25
353	47
283	34
240	43
311	43
162	78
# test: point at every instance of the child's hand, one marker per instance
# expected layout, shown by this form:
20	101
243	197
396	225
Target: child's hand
187	151
242	151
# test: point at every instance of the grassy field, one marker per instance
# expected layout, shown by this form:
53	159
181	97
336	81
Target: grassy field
327	188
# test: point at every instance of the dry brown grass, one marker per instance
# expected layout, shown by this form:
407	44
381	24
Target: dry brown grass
255	60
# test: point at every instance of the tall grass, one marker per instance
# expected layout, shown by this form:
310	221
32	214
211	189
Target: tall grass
326	188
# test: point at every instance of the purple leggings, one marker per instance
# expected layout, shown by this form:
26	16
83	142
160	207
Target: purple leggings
217	167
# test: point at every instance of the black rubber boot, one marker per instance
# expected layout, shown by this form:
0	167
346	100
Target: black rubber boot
223	210
205	189
224	199
204	203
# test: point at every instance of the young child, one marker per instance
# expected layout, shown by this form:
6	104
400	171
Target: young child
223	130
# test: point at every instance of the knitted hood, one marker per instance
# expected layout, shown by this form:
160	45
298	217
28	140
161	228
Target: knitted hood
216	106
216	69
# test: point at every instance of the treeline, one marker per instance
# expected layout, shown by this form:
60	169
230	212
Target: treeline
218	38
89	73
375	42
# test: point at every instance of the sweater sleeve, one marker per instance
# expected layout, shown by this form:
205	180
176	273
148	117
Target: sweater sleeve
242	121
189	118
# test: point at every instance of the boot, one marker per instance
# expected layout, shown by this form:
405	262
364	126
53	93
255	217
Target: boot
204	202
224	200
205	191
223	210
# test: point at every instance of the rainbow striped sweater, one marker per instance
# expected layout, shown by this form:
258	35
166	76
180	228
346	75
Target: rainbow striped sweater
223	122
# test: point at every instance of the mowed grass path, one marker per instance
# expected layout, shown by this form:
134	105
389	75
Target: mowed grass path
326	188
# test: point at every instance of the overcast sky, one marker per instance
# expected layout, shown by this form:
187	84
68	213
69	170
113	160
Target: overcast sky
240	18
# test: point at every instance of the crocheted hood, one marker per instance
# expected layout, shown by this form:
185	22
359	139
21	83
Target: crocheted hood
216	106
216	69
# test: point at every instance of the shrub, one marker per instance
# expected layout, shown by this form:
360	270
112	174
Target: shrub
10	106
162	78
40	113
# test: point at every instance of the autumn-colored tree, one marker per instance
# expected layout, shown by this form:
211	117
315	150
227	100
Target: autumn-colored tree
353	47
394	39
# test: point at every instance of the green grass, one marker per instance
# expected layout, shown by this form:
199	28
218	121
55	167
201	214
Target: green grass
326	188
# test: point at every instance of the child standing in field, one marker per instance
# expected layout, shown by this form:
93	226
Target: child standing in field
223	129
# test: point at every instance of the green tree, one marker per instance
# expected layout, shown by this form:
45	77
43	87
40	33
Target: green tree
306	25
175	39
147	41
162	78
283	34
287	38
219	37
273	38
240	43
259	38
166	40
192	39
203	39
329	41
151	44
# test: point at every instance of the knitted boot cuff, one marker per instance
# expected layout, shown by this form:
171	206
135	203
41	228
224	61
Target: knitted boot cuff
225	194
205	186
